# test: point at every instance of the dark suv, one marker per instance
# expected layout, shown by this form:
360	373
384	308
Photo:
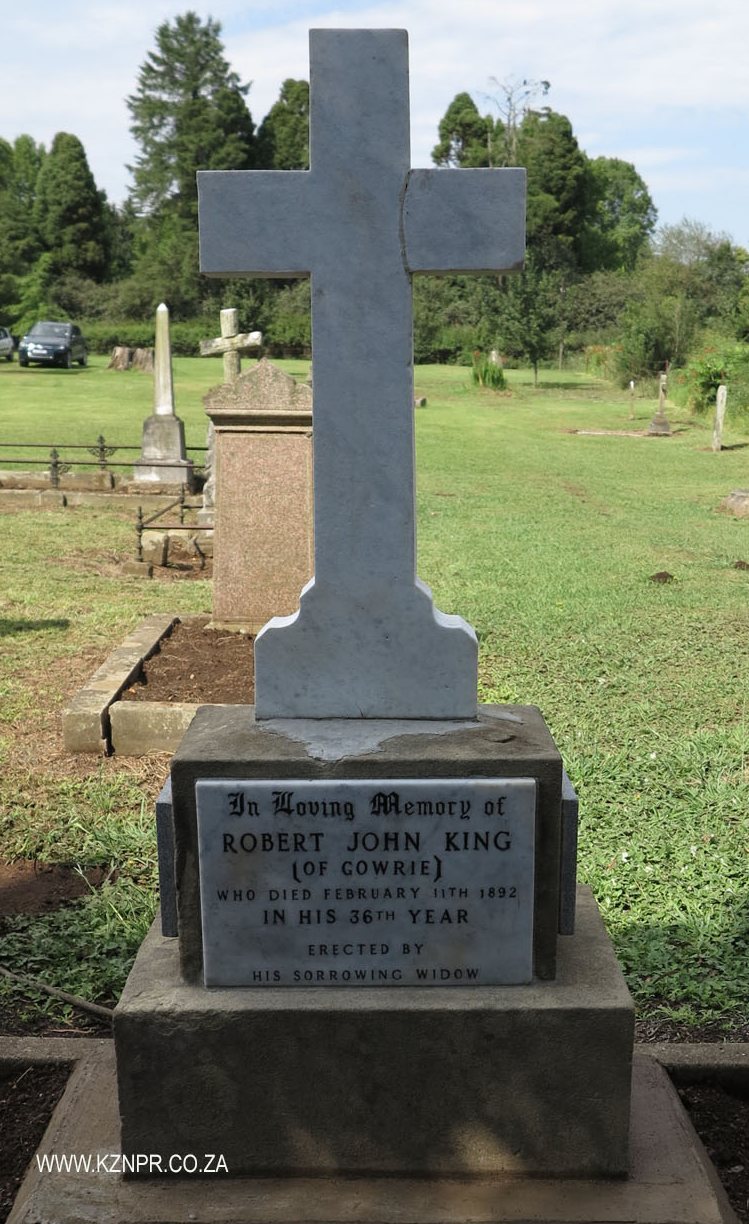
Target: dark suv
53	344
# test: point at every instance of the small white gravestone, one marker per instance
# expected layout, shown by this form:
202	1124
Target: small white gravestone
720	414
367	641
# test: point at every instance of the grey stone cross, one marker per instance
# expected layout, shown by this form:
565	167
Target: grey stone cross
367	641
232	345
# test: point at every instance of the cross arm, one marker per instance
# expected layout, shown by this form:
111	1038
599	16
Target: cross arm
242	343
252	222
464	220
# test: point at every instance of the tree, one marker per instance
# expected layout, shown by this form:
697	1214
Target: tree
69	212
620	218
283	136
530	316
513	100
467	138
19	171
188	113
556	167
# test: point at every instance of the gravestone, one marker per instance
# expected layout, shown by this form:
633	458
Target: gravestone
263	516
231	346
347	659
369	1009
659	426
163	457
720	416
395	838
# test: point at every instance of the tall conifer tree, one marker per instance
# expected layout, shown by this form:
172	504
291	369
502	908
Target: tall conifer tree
69	213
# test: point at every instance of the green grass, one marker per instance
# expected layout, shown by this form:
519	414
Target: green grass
542	538
40	404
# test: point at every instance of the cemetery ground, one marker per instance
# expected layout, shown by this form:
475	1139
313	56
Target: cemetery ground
549	542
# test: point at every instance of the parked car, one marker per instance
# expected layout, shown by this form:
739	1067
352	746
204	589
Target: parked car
6	344
53	344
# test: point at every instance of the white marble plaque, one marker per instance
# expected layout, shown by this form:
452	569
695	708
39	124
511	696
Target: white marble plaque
391	882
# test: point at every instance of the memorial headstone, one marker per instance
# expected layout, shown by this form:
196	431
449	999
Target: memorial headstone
369	997
163	457
396	837
720	416
659	426
262	554
231	346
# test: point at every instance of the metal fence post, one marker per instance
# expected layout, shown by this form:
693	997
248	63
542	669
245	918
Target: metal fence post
139	533
54	468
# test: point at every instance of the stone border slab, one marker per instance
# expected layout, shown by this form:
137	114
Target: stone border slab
86	721
140	727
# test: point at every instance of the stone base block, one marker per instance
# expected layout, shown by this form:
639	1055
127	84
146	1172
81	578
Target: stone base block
670	1179
737	503
401	1081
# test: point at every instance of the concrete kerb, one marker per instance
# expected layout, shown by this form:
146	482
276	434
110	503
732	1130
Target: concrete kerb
86	721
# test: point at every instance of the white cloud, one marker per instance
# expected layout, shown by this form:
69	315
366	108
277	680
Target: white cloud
637	79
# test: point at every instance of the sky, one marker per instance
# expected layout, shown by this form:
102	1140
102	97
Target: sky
661	83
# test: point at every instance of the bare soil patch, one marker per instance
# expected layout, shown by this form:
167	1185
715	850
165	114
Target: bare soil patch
198	664
36	888
28	1096
721	1119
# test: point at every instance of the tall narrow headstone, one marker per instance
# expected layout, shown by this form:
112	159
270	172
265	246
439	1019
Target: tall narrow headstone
659	426
720	414
367	641
163	456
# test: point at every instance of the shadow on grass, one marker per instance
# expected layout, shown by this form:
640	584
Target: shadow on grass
52	369
10	627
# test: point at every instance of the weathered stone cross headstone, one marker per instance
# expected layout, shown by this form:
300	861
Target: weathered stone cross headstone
367	641
232	346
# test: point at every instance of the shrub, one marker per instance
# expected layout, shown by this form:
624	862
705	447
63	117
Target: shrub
714	365
102	336
486	373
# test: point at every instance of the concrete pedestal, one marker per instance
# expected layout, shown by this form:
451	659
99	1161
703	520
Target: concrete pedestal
410	1081
163	455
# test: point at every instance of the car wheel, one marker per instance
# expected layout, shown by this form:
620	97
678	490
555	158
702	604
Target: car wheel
68	360
24	361
84	360
9	357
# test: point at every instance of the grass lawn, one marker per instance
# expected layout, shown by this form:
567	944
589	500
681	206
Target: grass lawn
545	540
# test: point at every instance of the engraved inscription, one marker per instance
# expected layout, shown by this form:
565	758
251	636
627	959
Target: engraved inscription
407	882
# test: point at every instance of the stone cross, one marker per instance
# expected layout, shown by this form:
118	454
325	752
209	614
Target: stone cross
231	345
720	413
367	641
